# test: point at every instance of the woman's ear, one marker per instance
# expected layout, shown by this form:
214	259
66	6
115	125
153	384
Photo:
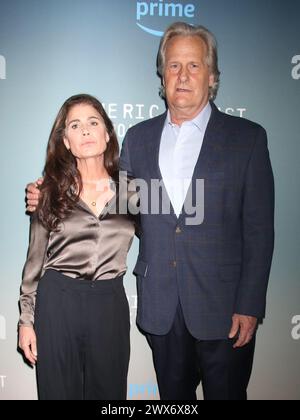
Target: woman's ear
107	137
67	144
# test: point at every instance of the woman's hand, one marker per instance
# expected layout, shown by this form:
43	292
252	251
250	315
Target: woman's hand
27	343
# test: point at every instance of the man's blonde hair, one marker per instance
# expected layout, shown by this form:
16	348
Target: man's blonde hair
184	29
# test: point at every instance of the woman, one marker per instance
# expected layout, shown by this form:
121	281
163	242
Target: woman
74	319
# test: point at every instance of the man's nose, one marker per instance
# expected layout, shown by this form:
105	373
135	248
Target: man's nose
183	75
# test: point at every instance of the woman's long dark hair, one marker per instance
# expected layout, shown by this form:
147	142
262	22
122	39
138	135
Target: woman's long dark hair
62	184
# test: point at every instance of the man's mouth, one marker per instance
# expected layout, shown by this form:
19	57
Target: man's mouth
181	90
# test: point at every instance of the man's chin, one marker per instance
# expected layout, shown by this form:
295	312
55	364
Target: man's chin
182	104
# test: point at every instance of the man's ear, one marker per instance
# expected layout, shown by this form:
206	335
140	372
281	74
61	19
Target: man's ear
211	80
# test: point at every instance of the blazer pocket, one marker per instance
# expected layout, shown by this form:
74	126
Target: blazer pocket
230	273
141	268
214	180
215	176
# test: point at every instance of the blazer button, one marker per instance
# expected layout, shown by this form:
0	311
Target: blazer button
178	230
174	264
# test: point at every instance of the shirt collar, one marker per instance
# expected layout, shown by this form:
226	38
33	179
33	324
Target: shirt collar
200	121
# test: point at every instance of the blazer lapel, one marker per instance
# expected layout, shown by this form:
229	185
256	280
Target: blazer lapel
153	147
211	154
213	143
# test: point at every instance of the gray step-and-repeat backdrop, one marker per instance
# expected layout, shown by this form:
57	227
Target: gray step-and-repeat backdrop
52	49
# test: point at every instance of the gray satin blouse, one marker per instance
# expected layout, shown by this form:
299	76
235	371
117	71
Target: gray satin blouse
85	246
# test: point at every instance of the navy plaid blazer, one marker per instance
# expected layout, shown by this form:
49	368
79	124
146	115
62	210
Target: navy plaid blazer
217	268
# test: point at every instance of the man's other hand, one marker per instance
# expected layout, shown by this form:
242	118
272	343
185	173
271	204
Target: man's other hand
243	326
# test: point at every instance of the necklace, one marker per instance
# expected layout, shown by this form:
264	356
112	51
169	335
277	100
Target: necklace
111	186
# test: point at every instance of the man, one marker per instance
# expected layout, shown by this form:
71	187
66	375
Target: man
201	287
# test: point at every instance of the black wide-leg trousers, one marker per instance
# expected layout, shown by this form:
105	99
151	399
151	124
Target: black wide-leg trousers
83	338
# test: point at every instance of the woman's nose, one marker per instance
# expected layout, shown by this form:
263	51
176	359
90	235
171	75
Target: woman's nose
85	131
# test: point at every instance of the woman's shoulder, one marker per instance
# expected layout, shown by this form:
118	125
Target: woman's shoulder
126	188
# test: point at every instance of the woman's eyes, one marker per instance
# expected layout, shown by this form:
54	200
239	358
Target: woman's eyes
77	126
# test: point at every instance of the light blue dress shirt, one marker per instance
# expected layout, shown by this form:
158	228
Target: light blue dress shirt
179	151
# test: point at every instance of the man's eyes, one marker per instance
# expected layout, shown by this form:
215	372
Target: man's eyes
191	66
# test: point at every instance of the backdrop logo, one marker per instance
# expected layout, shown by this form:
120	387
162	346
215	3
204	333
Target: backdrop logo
296	329
147	391
132	301
148	10
2	328
126	115
2	68
296	69
2	381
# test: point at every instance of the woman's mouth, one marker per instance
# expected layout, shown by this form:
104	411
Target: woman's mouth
88	143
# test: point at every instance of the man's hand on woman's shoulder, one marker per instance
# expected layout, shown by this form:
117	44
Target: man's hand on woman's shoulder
32	195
